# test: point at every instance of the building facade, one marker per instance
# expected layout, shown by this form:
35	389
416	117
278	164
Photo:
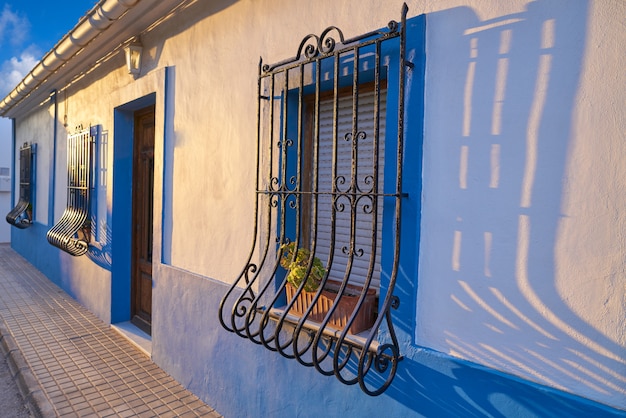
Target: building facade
5	176
456	162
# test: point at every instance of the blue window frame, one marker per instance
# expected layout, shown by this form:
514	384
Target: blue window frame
293	295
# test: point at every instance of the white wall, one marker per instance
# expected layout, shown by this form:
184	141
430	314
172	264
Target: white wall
5	161
523	253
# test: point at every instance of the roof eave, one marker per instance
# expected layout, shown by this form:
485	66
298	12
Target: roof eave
106	27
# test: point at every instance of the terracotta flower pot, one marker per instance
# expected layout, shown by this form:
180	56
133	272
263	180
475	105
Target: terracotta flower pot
364	319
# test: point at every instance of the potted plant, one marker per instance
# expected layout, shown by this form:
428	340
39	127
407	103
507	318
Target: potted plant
297	267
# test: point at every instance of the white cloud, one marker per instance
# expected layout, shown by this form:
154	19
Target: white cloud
14	71
14	31
13	27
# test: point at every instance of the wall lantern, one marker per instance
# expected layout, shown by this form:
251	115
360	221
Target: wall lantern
133	56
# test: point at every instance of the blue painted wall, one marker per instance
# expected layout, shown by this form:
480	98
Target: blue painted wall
240	379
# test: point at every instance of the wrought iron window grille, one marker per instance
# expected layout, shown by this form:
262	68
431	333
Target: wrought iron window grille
287	297
72	232
21	216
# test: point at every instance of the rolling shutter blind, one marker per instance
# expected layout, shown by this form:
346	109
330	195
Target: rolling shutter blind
365	224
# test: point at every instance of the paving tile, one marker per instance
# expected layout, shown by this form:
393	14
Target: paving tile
108	413
83	366
161	410
188	414
121	408
104	406
142	409
134	401
198	404
54	390
205	409
61	403
169	399
65	411
149	398
91	393
116	402
128	413
81	405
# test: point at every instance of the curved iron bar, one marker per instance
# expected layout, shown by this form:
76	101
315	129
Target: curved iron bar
318	360
382	362
288	197
342	338
18	216
248	264
316	51
62	234
341	344
258	291
247	294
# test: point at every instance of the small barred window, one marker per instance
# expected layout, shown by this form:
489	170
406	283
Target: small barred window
72	231
21	216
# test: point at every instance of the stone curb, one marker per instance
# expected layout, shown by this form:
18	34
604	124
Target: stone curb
37	402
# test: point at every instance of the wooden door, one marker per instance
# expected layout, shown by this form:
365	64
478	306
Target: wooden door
142	217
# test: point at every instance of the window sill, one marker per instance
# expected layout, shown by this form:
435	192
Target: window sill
356	340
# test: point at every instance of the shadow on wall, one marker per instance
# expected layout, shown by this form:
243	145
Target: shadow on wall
101	236
498	154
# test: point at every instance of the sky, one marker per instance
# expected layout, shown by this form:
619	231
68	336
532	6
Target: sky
29	29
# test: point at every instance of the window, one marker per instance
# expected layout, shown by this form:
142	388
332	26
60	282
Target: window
329	163
367	230
72	232
21	216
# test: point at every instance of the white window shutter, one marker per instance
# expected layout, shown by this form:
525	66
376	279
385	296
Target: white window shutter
365	224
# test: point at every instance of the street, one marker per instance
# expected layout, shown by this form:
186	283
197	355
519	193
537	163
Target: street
12	404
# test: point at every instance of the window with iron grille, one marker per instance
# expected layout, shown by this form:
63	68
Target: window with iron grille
72	232
367	229
21	216
329	165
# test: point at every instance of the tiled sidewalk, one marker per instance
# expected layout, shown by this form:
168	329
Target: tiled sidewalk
68	363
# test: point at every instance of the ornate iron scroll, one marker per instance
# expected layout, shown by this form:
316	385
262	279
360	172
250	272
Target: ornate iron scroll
71	233
287	297
21	216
